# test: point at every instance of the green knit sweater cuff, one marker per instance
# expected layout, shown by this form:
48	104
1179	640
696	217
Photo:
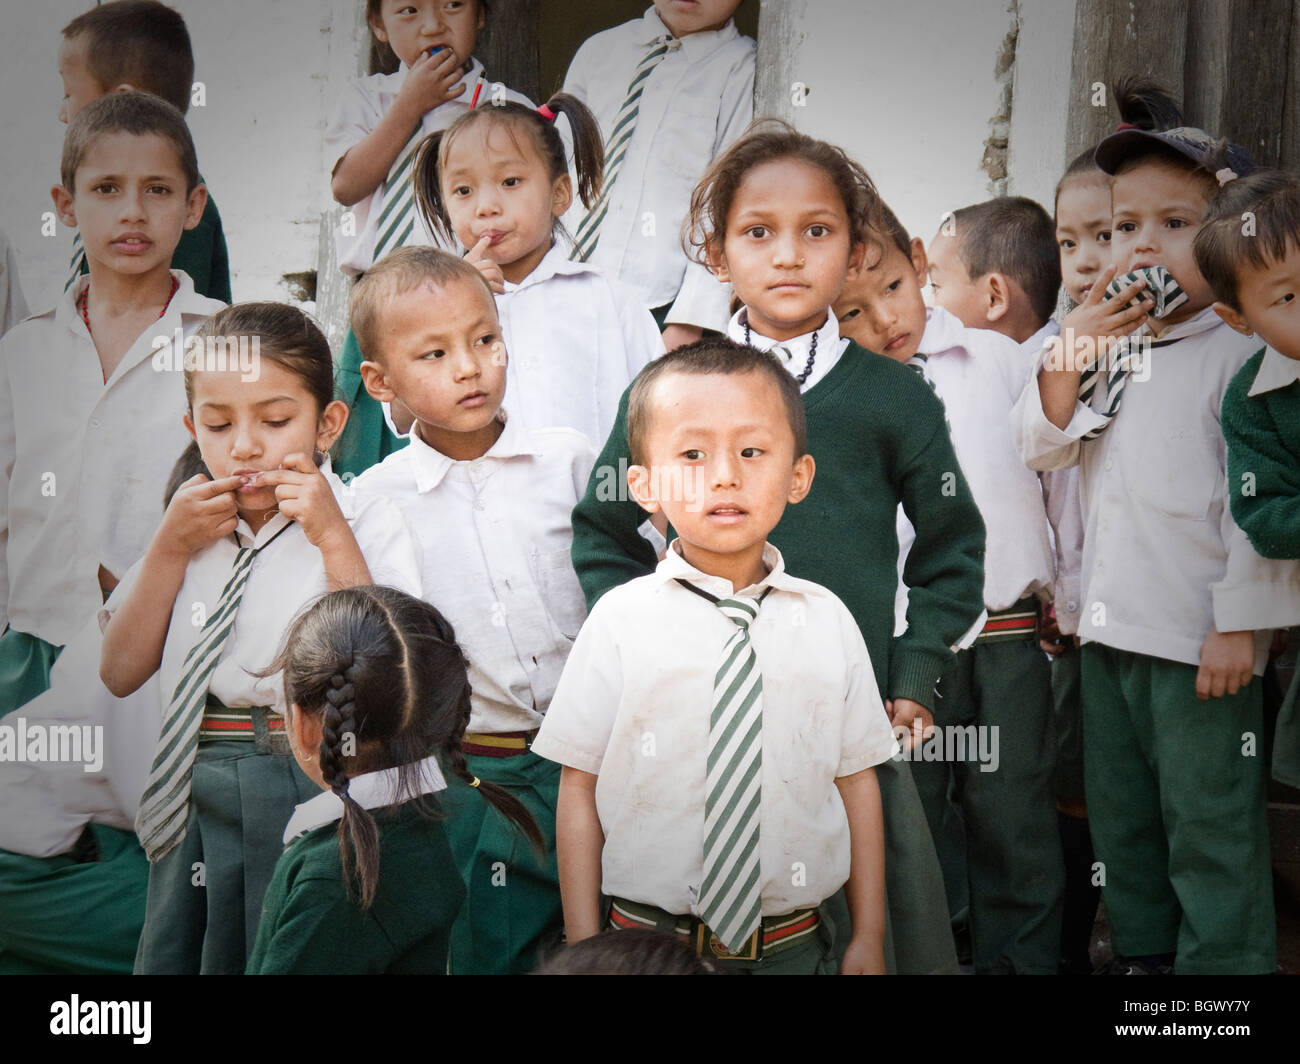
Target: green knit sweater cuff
912	675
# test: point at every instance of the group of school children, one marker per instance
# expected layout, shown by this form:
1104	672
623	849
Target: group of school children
608	604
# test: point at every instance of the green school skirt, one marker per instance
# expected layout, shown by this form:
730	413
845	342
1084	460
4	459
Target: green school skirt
205	895
25	664
512	915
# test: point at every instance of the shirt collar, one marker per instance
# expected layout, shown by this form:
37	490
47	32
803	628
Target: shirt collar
188	302
1036	342
675	567
273	527
371	790
431	466
1275	371
1200	322
555	262
943	331
796	350
653	27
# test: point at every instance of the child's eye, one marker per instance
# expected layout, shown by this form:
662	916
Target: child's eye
511	182
460	190
1176	223
818	230
279	424
434	354
217	428
487	339
161	190
1126	227
850	314
1103	237
692	454
1289	297
894	285
106	188
750	452
1066	245
757	231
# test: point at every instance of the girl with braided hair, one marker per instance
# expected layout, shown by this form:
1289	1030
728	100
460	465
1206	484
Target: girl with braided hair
378	694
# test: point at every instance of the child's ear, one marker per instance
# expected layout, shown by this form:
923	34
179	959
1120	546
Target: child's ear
801	484
377	28
195	205
639	484
857	257
997	296
376	382
717	261
332	420
561	196
919	262
188	419
63	206
1235	319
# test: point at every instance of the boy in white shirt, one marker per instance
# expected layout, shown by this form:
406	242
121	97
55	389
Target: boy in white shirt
694	97
89	395
1011	877
490	499
661	798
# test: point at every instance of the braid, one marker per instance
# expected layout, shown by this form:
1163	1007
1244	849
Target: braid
358	835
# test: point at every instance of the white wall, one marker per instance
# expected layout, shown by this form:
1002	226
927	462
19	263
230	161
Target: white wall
272	70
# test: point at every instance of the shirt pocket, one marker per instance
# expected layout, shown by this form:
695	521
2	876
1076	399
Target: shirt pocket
684	141
1182	472
561	593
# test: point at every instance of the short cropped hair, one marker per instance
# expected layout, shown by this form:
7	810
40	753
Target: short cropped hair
1015	236
715	354
1225	243
398	273
137	113
140	42
894	230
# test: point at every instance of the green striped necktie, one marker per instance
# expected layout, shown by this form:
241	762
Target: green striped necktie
616	146
77	261
397	218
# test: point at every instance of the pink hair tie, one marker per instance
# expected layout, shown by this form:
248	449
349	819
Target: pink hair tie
546	113
1225	175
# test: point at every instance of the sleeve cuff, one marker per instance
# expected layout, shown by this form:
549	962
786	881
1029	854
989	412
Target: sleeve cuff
553	749
913	676
1256	605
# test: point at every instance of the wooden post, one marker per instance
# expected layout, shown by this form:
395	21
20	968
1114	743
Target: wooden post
508	46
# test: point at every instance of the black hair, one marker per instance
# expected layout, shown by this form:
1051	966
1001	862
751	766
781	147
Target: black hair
1145	105
713	354
588	151
1015	236
1082	165
137	113
628	952
188	465
385	676
382	58
1253	221
141	43
895	230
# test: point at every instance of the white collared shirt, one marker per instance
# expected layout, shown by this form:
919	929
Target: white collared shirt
633	709
366	101
1163	560
1275	371
13	308
370	790
287	575
694	103
495	535
794	353
83	463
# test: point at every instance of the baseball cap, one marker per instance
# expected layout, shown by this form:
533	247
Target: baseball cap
1206	151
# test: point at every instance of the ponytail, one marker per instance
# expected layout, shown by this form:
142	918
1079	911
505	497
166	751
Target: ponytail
1145	105
588	147
428	189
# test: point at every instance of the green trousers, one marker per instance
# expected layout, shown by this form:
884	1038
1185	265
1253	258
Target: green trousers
367	439
25	664
1012	859
512	915
1067	695
205	895
59	915
1286	740
1175	791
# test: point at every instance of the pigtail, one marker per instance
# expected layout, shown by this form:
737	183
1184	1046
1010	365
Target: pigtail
588	146
1144	104
428	190
358	835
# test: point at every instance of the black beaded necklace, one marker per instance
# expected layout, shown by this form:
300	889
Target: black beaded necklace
812	356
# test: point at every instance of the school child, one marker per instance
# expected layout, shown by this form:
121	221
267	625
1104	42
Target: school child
1003	866
79	389
378	893
200	615
671	90
1170	614
1254	279
489	498
429	77
497	182
779	204
689	818
142	45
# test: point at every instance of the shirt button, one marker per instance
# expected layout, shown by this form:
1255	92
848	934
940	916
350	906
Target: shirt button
94	422
1109	463
1071	606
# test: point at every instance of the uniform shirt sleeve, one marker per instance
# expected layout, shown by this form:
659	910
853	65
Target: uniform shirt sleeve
388	544
866	738
13	307
354	119
1041	445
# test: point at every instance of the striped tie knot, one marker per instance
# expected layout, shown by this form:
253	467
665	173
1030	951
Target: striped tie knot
740	611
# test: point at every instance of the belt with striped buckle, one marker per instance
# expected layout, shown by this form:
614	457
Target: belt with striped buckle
775	935
1018	622
254	724
498	744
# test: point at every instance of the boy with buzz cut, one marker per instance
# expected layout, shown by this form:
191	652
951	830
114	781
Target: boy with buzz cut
1010	878
141	45
1255	279
88	434
718	720
489	498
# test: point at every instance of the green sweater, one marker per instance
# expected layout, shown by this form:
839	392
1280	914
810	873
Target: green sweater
310	926
879	438
1263	434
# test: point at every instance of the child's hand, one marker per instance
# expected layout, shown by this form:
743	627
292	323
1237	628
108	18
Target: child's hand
429	82
919	721
1227	664
863	958
201	512
478	258
1050	640
1102	320
304	495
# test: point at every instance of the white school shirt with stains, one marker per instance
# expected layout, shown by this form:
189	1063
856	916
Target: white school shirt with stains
364	102
495	535
633	709
979	374
287	576
693	105
83	463
1163	560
